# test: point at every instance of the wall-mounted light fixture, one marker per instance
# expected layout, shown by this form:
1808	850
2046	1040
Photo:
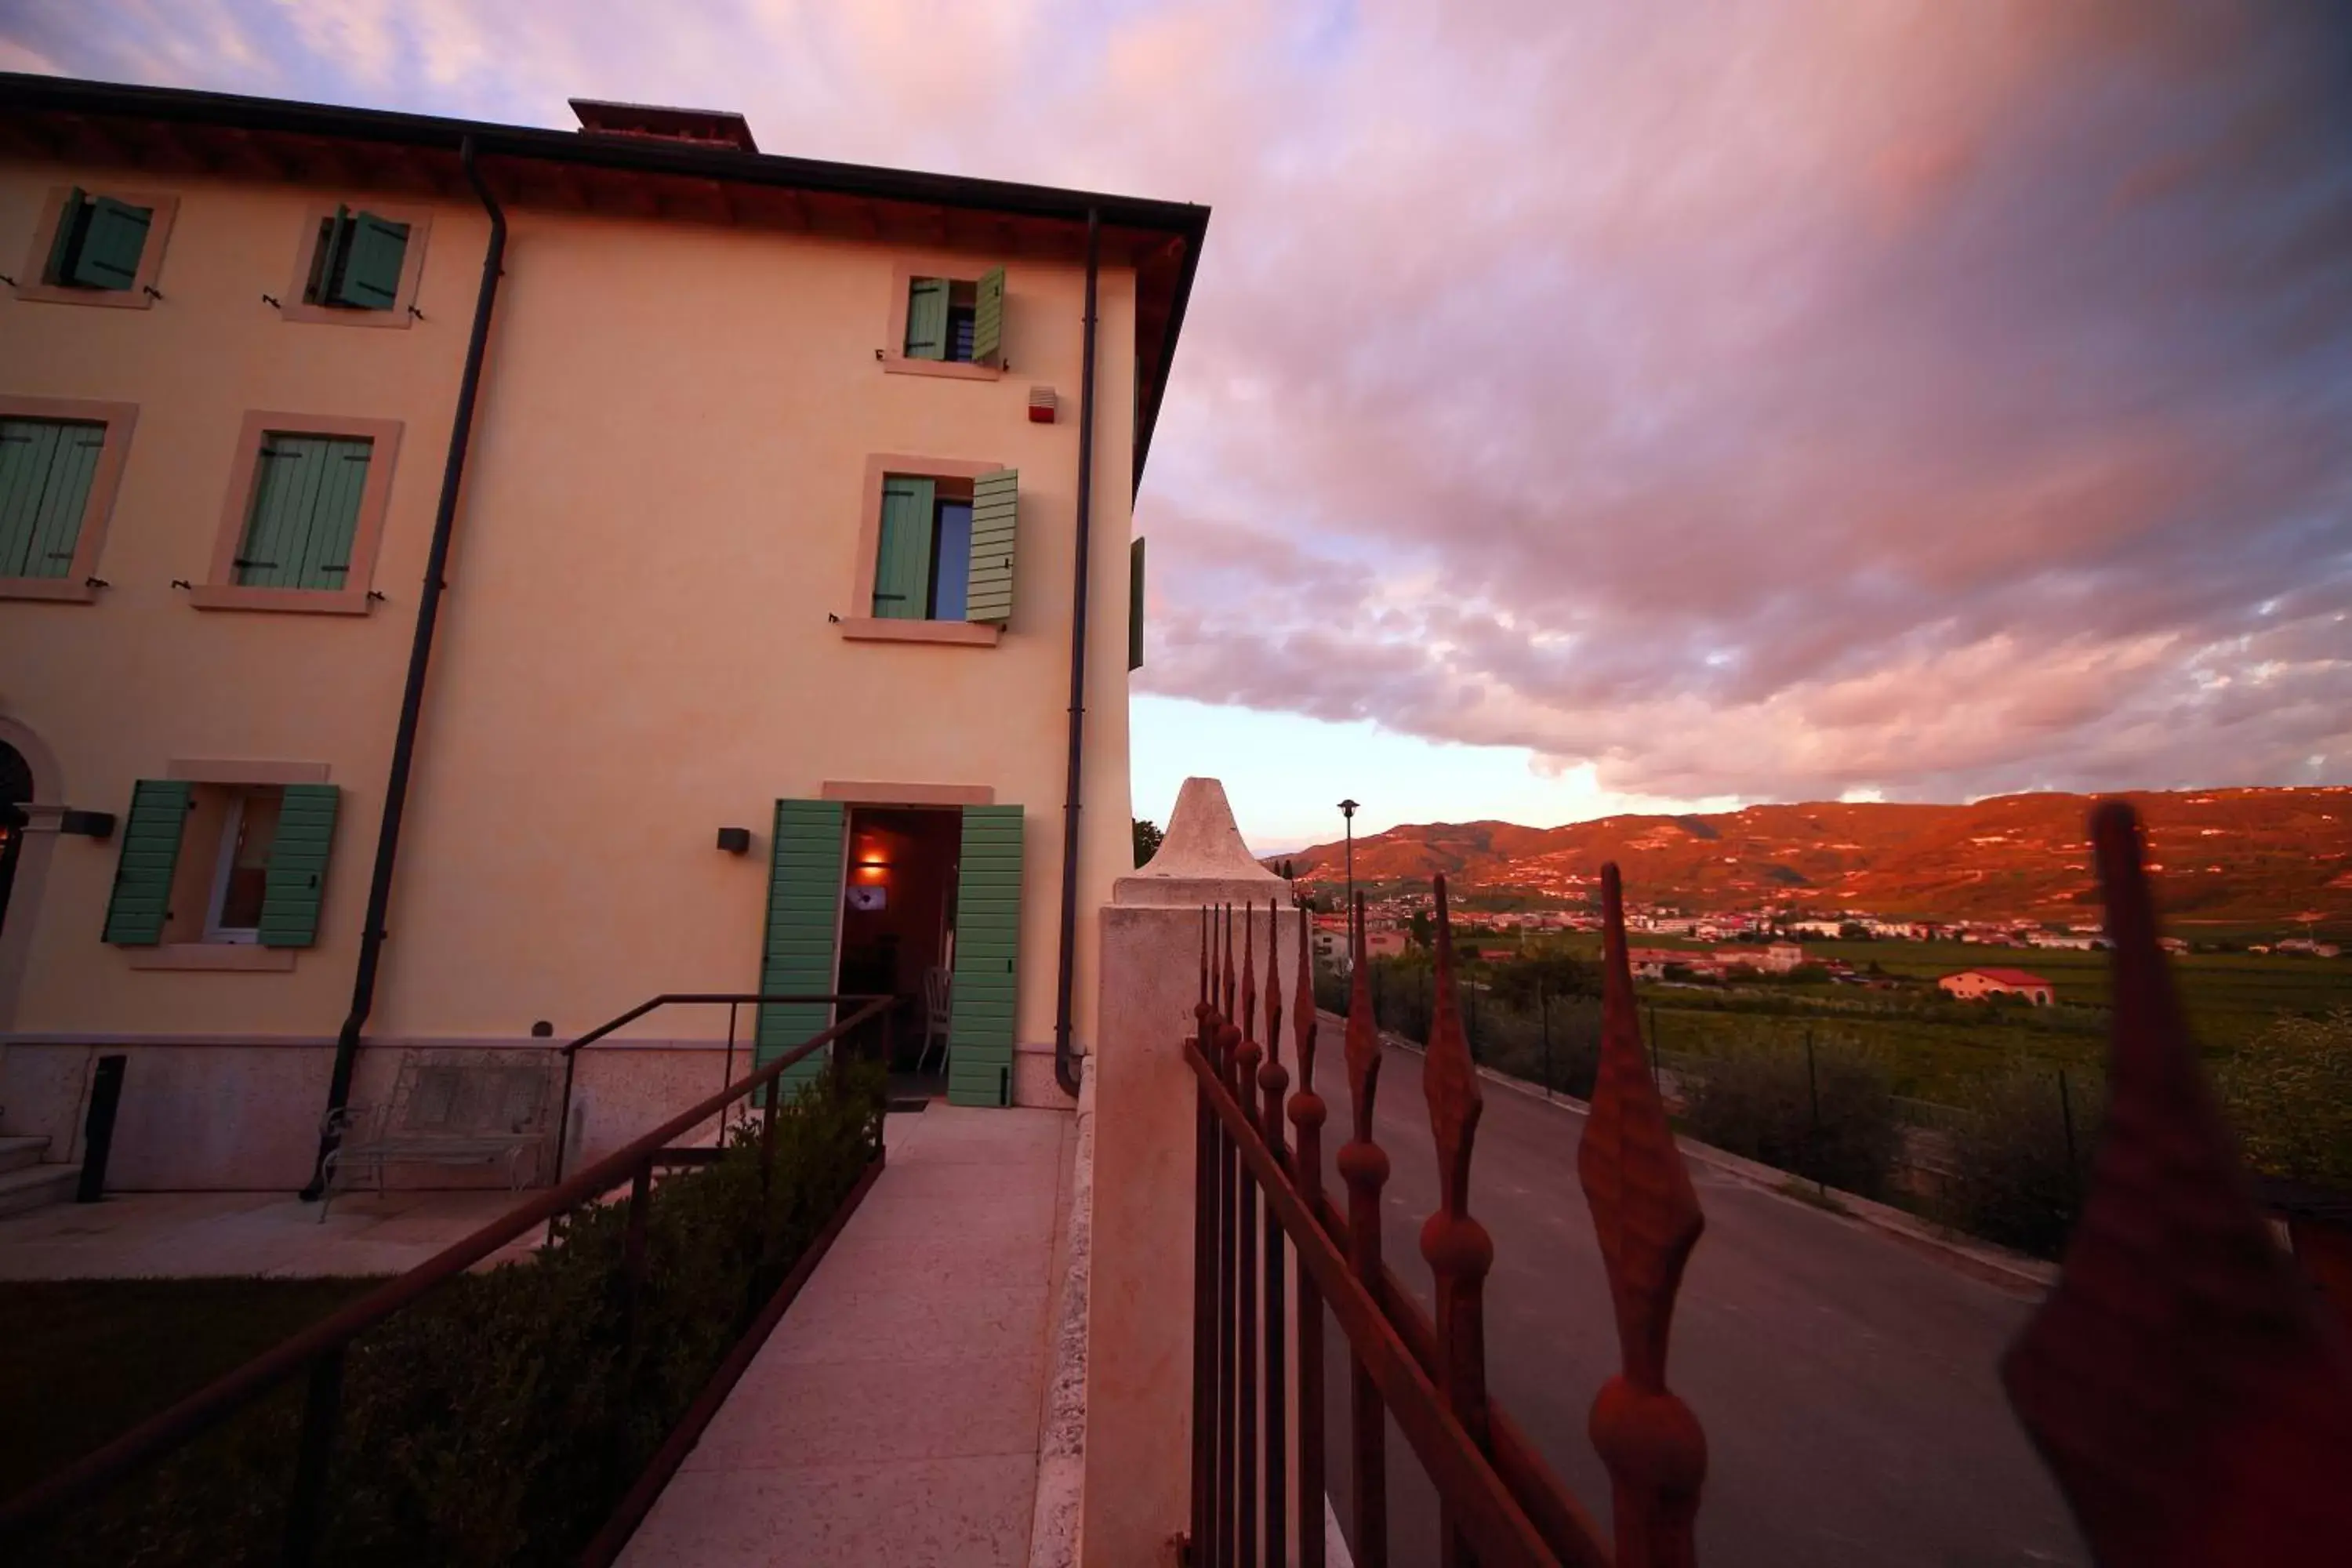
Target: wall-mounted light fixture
67	819
735	840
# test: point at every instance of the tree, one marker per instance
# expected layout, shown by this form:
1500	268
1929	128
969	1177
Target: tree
1146	838
1424	929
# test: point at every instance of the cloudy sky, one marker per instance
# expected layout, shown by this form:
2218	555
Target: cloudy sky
1587	406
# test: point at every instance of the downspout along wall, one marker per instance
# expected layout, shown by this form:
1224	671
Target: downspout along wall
420	655
1066	1068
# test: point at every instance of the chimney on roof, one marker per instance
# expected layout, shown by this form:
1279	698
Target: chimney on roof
695	127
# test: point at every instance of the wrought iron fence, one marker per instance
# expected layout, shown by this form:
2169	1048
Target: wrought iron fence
2185	1387
31	1523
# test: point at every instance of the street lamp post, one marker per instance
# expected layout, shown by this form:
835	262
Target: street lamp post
1348	810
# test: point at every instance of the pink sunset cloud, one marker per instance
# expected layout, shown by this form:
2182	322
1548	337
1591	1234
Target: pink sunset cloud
1737	399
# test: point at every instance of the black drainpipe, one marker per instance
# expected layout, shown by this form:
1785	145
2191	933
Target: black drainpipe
1066	1064
420	655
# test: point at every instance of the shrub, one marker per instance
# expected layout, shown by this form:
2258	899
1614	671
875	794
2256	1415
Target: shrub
2017	1178
2289	1094
1759	1102
501	1419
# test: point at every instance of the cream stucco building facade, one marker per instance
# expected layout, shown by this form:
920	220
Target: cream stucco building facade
767	519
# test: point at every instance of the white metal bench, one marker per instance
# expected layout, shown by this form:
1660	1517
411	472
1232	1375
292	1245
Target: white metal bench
447	1107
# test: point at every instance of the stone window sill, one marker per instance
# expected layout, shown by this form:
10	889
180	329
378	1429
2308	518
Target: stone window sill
59	589
290	601
954	370
237	955
971	634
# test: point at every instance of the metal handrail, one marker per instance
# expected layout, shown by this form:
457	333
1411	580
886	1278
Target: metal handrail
733	1000
327	1339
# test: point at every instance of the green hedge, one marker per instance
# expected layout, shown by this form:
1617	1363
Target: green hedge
501	1419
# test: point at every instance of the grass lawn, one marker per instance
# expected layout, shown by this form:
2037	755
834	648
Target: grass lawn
83	1361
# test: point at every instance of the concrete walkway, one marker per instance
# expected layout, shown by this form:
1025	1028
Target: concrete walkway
894	1416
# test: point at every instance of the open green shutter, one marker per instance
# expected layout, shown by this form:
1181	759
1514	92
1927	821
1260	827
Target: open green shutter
108	257
987	957
297	877
804	883
988	318
927	318
995	512
151	852
46	468
1135	606
374	250
902	561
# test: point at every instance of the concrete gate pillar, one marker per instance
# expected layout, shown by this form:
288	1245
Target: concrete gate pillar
1140	1306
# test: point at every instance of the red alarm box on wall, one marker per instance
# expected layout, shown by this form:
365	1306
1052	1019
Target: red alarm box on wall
1041	405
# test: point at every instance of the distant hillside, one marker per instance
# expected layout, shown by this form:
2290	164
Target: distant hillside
2226	855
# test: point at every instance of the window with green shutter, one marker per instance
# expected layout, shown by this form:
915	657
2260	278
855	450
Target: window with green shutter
983	992
995	514
805	875
956	320
305	511
902	563
295	880
145	867
99	243
988	318
943	555
358	262
45	469
228	863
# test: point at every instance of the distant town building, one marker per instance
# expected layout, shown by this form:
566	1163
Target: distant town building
1977	984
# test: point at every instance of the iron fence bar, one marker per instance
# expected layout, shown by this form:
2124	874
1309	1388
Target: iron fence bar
1498	1527
233	1390
1364	1167
1246	1240
1228	1203
322	1405
1573	1533
672	999
1306	1114
1273	1080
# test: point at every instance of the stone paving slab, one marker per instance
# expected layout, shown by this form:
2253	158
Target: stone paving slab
894	1415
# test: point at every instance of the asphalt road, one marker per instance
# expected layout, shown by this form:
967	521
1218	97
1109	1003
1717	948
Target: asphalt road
1846	1384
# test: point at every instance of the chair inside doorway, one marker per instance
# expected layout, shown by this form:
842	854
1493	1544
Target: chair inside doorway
897	934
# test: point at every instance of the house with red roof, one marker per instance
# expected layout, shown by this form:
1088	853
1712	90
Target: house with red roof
1981	984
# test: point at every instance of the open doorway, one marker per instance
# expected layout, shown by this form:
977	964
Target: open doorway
897	934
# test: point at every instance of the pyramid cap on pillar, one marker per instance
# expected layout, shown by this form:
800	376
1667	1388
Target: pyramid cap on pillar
1201	860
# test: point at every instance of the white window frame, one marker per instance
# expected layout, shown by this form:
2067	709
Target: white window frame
232	829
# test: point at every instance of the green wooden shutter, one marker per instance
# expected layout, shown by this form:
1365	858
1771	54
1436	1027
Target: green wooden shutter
306	508
297	876
902	563
988	318
151	852
805	890
995	511
1135	606
108	255
46	468
987	957
927	318
374	249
